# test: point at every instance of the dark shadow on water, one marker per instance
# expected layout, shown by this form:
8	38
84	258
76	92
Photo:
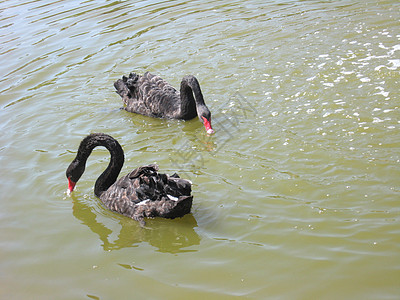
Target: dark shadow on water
169	236
192	130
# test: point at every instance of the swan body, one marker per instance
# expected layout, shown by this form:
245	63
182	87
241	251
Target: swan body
152	96
143	193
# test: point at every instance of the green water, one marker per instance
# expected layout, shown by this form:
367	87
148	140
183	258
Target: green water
296	195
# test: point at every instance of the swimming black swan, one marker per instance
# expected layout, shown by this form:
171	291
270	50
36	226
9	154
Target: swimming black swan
152	96
142	193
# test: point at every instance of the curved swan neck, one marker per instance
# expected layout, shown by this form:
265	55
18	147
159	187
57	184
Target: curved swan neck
191	97
110	174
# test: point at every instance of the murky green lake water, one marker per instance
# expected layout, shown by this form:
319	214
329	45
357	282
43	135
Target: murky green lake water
296	195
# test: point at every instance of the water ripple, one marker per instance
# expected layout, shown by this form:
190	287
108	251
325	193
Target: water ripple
299	181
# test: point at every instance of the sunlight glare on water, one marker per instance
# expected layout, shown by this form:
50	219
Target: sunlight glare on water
295	195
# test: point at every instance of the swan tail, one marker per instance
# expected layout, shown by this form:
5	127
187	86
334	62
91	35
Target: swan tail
145	193
154	185
127	86
178	187
164	208
176	208
160	195
182	207
121	88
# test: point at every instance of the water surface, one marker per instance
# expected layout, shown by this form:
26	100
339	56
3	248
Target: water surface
296	195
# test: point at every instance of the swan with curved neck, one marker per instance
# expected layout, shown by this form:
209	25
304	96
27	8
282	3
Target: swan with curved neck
152	96
143	193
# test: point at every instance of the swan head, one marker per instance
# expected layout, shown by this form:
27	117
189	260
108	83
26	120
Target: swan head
205	118
74	173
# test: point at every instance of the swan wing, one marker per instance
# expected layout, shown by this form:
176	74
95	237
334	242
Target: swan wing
146	193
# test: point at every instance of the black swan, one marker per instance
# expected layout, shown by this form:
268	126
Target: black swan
142	193
152	96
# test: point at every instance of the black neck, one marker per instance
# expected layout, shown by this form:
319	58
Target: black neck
110	174
191	97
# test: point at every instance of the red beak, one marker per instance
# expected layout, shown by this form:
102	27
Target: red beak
207	125
71	185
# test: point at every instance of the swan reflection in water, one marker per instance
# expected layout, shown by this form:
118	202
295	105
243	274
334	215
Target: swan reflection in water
168	236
